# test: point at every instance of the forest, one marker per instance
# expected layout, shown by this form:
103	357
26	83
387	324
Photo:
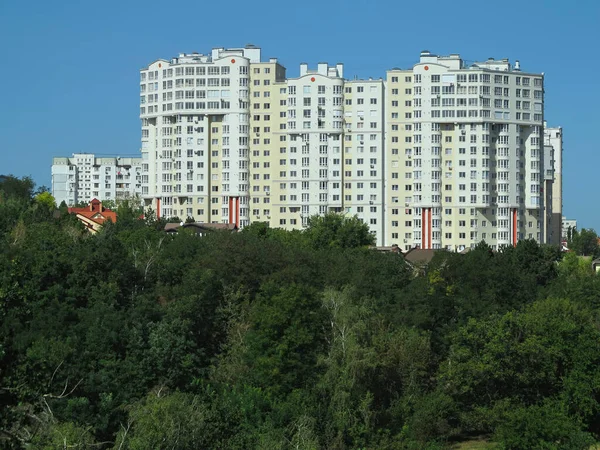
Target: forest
134	339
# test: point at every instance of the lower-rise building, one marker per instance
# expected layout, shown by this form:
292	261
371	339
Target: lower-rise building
83	177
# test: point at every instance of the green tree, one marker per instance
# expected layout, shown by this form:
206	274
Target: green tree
46	200
284	338
335	230
542	427
18	188
164	421
548	351
584	242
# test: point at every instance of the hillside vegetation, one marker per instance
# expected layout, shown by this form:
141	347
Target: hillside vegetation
135	339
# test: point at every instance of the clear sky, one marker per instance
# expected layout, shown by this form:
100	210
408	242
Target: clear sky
70	69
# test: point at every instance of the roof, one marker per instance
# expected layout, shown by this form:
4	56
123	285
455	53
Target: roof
200	226
418	255
95	212
388	249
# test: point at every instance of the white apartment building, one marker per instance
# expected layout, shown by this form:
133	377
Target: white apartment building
464	144
441	155
84	176
553	148
195	112
566	225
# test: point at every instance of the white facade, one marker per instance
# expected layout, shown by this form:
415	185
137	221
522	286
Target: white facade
553	141
465	148
315	112
195	113
566	225
84	176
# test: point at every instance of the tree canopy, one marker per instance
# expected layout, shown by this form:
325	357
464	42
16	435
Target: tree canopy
133	339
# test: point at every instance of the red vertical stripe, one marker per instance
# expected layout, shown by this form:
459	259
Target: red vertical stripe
158	208
237	212
429	229
423	230
230	209
514	227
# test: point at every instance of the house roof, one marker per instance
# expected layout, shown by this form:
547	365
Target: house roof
200	226
418	255
388	249
95	212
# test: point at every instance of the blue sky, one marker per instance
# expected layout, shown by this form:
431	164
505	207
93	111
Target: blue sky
70	69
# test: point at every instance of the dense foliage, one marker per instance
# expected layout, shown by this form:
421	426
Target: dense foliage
134	339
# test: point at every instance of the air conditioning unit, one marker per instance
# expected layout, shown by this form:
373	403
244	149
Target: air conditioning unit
371	202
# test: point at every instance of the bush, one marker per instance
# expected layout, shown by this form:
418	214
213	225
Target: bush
545	426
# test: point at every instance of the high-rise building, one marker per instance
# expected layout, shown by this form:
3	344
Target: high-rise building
195	112
83	177
465	153
440	155
553	148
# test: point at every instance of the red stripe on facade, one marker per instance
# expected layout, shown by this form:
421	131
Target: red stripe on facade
514	227
423	230
429	229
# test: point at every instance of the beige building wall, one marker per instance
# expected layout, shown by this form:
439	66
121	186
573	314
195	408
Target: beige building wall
399	159
266	80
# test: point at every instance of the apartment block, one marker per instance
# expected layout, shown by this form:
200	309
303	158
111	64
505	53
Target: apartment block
465	149
553	154
84	176
566	225
443	154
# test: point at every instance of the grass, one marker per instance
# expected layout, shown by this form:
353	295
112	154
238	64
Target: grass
477	444
482	444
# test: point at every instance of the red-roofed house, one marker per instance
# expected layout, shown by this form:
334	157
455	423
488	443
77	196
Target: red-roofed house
94	215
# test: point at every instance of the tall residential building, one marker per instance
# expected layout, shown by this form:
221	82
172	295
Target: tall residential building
195	112
441	155
553	146
84	176
465	154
